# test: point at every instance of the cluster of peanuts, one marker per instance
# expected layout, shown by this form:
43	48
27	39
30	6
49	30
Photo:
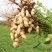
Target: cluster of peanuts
23	21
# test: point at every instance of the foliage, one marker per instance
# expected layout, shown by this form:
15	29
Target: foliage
45	17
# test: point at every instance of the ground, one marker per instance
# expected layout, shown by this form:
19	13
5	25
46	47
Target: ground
33	43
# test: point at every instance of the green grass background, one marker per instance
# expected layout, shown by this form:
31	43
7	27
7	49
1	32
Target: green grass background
33	43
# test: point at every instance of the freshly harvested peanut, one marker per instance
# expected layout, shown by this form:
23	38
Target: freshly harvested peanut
21	25
11	28
14	26
20	4
32	12
22	34
22	12
33	9
30	22
25	18
33	26
14	21
9	19
25	7
15	44
19	20
30	29
27	13
16	35
23	3
13	31
12	36
15	12
17	16
37	29
28	3
16	40
18	29
26	23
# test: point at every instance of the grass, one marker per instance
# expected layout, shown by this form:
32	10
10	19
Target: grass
33	43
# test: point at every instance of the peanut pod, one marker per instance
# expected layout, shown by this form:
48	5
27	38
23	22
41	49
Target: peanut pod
27	14
22	34
12	36
15	44
37	29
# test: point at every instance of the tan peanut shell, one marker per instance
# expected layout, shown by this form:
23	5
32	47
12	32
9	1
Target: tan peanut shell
15	44
25	18
26	7
19	20
23	36
20	4
15	35
37	29
16	40
18	29
26	23
14	26
30	22
30	29
21	25
32	12
23	3
27	14
22	12
15	12
12	36
22	32
11	28
14	21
